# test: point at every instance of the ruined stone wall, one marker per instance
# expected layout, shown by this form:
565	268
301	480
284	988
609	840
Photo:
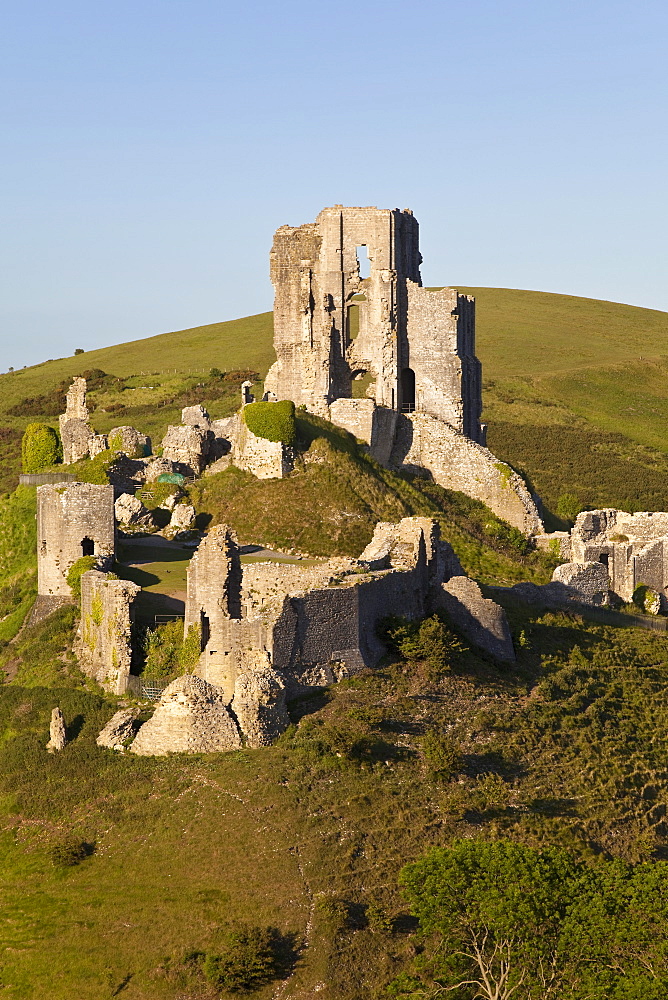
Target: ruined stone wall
104	647
315	273
187	447
75	432
633	547
315	624
373	424
407	334
264	459
440	350
424	443
73	520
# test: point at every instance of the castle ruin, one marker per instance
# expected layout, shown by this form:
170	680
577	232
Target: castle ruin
389	360
73	520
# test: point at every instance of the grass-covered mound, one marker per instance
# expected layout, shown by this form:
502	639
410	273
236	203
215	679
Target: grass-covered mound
332	502
272	421
132	876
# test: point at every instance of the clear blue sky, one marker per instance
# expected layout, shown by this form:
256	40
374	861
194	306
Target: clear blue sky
150	150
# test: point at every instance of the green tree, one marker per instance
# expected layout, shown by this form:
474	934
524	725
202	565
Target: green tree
568	507
40	447
513	922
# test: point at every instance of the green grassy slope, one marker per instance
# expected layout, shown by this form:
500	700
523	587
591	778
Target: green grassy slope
309	835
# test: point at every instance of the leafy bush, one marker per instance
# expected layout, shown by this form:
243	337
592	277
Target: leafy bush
76	571
272	421
647	599
442	754
252	957
568	507
504	532
428	640
170	654
69	852
505	917
40	447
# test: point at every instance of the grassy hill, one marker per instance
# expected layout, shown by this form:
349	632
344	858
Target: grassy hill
128	877
573	390
308	836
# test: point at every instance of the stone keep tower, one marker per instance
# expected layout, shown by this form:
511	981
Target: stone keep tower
73	520
333	327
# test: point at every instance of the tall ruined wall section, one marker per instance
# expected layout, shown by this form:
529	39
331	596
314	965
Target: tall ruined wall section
104	647
75	432
313	624
440	350
73	520
213	598
424	444
315	272
262	458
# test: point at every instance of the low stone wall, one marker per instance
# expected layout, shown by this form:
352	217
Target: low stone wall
104	646
424	443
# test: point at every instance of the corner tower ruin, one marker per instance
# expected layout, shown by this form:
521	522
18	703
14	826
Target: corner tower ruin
338	334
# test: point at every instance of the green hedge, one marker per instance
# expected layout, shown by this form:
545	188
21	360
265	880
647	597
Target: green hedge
272	421
40	447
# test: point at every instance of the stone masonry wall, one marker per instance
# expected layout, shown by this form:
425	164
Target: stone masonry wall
104	647
73	520
313	624
264	459
633	547
424	443
374	424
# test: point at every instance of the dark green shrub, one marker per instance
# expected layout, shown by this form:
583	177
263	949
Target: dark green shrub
501	531
69	853
428	640
272	421
40	447
442	755
76	571
250	959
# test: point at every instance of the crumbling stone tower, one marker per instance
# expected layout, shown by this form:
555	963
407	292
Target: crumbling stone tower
73	520
75	431
332	326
